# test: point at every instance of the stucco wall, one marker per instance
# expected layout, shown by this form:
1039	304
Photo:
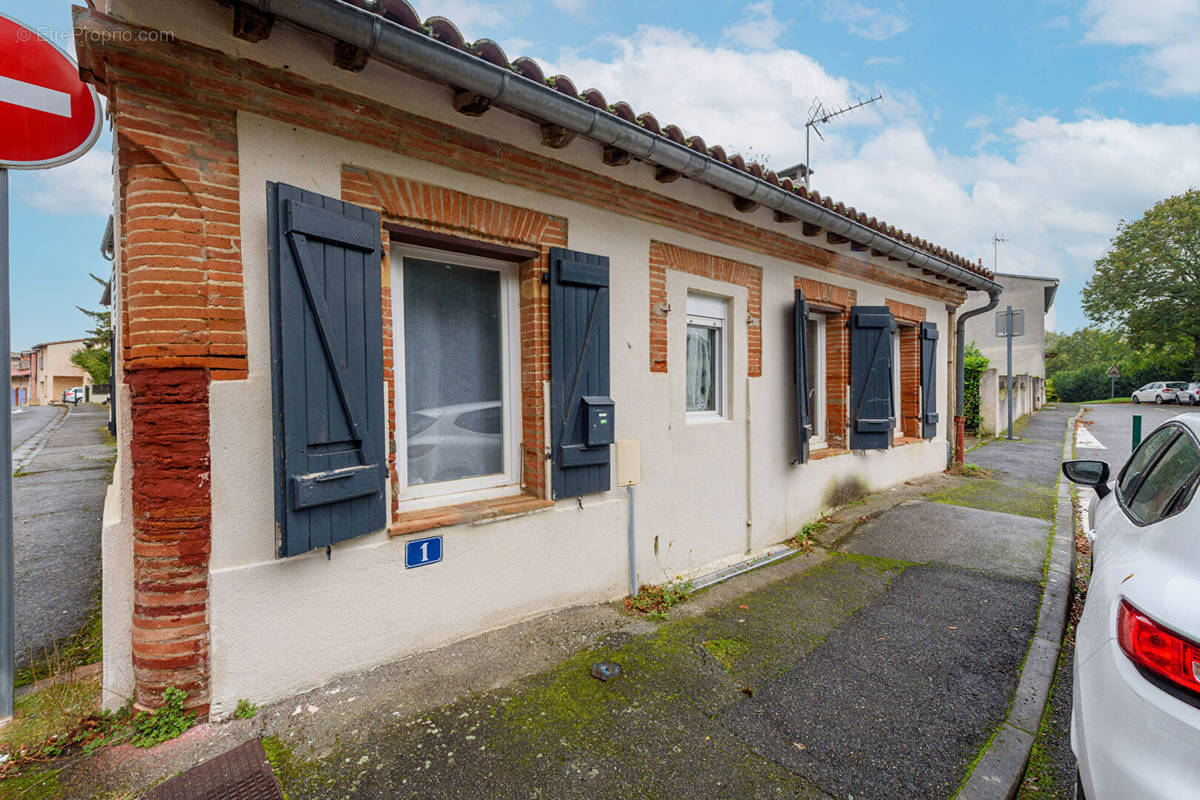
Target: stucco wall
1028	350
710	491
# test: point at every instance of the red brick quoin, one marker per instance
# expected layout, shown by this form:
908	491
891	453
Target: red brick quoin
171	533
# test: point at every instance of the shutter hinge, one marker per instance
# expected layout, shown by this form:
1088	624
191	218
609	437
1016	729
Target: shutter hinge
328	553
546	277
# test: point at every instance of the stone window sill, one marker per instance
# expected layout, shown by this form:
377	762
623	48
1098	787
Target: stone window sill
827	452
903	440
424	519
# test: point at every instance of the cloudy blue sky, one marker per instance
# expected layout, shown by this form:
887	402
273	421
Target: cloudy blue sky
1046	121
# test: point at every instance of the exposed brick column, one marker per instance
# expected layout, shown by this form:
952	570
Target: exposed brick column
172	515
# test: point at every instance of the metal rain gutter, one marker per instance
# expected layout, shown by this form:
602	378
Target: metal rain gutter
393	43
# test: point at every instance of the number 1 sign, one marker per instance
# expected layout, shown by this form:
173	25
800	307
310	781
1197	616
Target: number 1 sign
421	552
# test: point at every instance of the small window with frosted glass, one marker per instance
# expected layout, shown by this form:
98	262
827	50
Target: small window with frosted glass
705	388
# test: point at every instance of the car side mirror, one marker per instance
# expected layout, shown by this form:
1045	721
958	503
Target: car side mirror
1088	473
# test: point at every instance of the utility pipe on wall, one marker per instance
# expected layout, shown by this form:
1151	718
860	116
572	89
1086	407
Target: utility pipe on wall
960	347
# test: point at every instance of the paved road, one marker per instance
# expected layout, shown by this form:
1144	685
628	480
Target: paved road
58	501
1112	425
1112	429
28	420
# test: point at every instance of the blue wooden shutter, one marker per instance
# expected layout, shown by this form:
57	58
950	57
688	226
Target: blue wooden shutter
929	415
872	407
326	369
803	413
579	378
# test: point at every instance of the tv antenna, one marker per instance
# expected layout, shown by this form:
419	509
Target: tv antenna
997	240
819	115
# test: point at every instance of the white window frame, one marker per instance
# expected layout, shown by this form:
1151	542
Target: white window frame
482	487
710	312
816	385
896	384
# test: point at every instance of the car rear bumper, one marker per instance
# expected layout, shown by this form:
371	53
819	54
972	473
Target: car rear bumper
1131	738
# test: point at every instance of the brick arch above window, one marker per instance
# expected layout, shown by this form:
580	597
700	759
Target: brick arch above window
466	217
668	256
906	312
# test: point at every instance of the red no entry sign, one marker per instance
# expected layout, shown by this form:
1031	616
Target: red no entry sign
48	116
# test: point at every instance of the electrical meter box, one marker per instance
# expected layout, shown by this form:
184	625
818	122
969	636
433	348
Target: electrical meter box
598	420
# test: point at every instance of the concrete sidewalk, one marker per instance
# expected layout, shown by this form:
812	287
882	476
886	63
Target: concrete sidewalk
58	499
877	666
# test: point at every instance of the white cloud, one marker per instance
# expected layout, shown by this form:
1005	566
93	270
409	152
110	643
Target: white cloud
759	29
1057	196
1166	31
734	98
868	22
875	60
85	186
570	6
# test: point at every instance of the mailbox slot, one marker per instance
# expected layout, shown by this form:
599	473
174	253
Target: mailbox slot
598	420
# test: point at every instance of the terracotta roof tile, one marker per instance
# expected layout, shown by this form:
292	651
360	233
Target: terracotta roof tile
445	31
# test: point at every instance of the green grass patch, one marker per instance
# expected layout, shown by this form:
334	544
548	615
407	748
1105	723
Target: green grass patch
726	651
83	648
1028	500
245	710
44	722
804	537
32	785
1113	400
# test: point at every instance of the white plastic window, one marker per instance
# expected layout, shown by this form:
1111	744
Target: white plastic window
457	420
815	334
705	388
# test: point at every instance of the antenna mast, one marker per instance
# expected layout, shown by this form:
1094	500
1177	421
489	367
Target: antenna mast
997	239
818	115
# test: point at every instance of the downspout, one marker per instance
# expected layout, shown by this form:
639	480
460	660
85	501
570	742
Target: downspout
960	347
395	44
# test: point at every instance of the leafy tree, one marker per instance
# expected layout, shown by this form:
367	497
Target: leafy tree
95	356
1148	284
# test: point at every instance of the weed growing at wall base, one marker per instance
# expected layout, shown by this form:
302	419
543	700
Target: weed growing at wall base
655	601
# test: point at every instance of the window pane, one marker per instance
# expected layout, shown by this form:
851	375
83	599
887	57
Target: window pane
812	343
1141	458
452	361
1165	480
701	368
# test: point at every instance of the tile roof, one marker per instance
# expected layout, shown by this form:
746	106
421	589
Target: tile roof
445	31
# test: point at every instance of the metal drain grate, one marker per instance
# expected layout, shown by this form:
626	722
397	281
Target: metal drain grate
241	774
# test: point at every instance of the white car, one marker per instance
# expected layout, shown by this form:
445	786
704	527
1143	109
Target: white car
1157	392
1135	721
455	442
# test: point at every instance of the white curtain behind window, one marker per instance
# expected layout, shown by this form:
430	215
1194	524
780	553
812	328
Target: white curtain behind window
452	361
701	368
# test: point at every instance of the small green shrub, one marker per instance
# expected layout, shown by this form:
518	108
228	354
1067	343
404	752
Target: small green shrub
245	710
974	363
655	601
164	724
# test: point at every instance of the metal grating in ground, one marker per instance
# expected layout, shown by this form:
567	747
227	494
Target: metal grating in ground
241	774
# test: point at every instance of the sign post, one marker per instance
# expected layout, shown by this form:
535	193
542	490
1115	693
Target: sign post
1010	323
48	116
1113	374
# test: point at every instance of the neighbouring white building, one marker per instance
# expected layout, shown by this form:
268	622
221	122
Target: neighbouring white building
1034	296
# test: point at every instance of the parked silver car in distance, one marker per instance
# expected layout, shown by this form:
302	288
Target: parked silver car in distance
1157	392
1135	719
1189	395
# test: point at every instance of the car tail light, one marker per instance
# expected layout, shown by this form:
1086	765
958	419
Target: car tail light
1158	649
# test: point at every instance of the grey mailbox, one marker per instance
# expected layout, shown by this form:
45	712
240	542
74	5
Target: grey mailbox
598	420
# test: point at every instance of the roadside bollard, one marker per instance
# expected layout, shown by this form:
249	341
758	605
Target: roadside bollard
1137	430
